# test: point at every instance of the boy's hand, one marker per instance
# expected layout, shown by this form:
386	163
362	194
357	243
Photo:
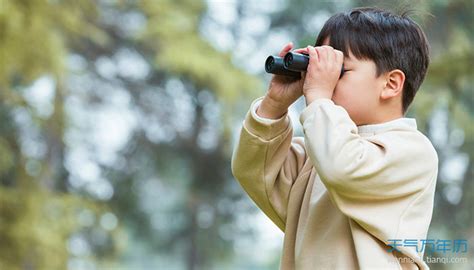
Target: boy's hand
282	91
323	72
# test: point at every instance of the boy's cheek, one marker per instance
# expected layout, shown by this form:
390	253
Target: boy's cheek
337	98
337	94
343	98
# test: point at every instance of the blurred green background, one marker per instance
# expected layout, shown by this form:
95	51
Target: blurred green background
118	118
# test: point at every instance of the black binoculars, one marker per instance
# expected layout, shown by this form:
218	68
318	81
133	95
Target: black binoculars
291	65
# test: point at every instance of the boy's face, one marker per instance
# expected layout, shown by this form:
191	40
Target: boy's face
358	90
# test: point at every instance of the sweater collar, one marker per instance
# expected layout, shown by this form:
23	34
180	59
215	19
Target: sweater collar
402	123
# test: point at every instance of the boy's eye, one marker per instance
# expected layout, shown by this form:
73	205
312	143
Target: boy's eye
344	73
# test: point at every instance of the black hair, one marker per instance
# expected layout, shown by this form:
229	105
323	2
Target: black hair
391	41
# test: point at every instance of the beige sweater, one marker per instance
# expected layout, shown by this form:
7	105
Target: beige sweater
342	192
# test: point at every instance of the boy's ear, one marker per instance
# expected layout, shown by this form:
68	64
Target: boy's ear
394	81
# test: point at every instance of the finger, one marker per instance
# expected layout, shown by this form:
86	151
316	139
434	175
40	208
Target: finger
322	54
313	55
339	57
301	50
327	47
332	57
331	54
328	51
286	49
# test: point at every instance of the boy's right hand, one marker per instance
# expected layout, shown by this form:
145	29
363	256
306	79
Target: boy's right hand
282	91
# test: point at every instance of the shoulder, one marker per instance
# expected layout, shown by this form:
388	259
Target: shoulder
426	148
411	145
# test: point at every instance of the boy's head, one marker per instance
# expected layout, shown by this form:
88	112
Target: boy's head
386	57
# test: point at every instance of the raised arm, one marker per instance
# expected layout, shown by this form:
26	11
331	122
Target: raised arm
266	162
384	181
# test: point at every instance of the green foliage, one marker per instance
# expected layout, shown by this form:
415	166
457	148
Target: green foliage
34	33
34	228
36	219
173	33
6	159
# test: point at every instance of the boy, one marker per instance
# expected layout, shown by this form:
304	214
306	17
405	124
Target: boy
356	192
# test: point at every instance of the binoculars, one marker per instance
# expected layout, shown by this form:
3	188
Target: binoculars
291	65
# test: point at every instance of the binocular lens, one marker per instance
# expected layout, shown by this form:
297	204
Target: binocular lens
269	63
289	60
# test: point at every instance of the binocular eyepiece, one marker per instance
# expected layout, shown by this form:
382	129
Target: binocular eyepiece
291	65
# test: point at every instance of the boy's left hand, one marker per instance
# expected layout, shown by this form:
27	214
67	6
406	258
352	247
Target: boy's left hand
323	72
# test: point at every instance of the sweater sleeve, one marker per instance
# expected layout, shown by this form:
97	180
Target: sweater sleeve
366	177
266	161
